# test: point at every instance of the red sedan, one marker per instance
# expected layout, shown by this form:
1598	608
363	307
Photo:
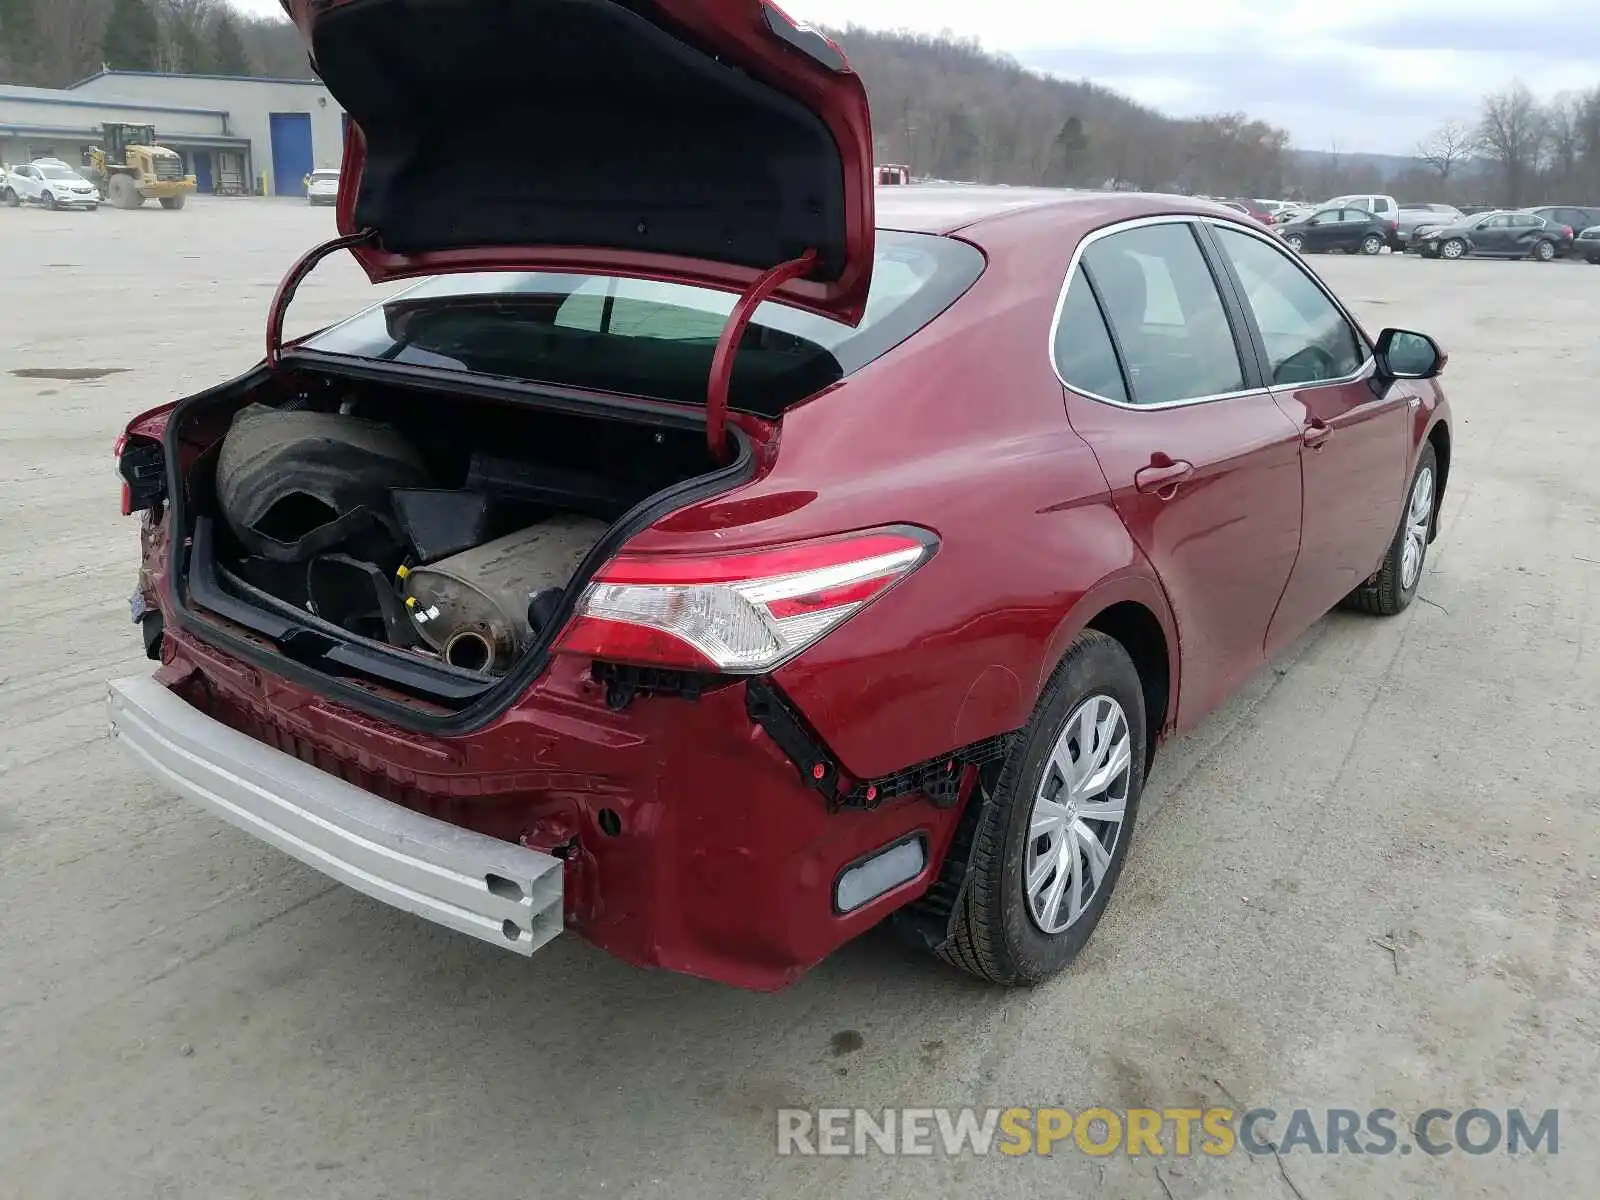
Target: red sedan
701	562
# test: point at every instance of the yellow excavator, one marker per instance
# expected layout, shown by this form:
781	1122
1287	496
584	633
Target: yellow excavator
130	168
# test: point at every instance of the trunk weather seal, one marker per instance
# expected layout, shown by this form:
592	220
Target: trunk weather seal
493	702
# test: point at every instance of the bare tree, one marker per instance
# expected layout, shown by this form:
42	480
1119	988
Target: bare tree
70	33
1564	136
1447	147
1513	130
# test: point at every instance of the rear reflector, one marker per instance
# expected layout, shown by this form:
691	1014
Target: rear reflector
741	613
883	872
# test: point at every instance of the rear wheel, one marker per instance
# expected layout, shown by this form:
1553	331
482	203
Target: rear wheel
1454	248
1393	588
1371	244
172	202
1054	829
1295	242
1544	251
11	198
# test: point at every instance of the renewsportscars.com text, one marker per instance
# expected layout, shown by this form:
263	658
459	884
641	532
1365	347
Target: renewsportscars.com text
1177	1132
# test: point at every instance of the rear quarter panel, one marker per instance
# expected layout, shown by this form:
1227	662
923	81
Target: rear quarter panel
961	430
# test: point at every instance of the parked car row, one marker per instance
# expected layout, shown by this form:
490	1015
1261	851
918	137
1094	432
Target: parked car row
1366	224
1544	233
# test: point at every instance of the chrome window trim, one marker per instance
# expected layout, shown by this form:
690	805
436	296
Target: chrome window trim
1361	372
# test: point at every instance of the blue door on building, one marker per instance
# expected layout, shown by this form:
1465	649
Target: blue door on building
202	172
291	152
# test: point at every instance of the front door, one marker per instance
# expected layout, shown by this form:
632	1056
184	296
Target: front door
1355	435
1494	235
1203	465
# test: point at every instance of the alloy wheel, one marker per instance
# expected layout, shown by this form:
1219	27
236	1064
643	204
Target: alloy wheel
1452	249
1294	242
1419	516
1078	813
1372	245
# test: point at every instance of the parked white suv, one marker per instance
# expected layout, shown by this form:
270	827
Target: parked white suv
322	186
49	183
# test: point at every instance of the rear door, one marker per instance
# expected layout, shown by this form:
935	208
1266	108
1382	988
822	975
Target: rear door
1526	230
1355	438
1203	465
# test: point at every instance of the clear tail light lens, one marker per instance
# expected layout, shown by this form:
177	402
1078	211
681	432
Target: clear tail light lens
742	613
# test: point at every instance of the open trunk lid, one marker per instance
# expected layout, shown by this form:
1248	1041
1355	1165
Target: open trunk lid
705	141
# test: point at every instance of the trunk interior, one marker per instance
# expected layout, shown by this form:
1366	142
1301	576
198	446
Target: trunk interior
422	544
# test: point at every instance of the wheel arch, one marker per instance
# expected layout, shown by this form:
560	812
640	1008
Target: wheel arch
1131	609
1439	439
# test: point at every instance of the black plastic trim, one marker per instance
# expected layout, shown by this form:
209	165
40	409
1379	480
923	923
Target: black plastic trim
143	468
938	780
769	708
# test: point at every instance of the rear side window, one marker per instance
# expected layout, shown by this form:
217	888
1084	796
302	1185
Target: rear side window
654	339
1166	312
1085	358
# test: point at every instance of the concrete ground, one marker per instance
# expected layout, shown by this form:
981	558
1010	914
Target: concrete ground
1370	882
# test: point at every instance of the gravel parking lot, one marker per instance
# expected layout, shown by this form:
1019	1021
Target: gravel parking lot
1373	881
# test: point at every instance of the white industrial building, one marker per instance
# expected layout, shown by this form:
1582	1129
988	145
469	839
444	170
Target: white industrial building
235	133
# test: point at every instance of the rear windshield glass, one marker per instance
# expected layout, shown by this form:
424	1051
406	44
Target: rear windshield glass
645	338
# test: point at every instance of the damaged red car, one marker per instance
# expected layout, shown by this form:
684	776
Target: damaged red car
711	561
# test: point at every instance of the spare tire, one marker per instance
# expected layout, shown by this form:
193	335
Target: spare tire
292	485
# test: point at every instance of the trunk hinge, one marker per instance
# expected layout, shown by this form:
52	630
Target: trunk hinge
728	345
292	281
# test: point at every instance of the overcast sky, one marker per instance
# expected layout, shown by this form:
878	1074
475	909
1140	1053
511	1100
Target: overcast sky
1347	74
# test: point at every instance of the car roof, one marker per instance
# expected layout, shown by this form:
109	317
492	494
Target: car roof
947	208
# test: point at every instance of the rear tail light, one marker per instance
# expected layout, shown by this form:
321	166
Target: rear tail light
742	613
1566	231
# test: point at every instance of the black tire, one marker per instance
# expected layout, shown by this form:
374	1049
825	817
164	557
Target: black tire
1372	244
11	198
1386	593
49	201
1295	242
1453	249
991	933
172	203
1544	251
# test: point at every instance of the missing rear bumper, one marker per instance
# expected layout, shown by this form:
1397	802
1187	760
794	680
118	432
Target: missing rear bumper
492	890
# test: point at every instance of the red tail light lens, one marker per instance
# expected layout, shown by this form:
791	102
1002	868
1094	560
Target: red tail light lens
740	613
1566	231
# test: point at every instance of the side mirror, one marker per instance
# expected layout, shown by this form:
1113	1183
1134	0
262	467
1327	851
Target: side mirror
1402	354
